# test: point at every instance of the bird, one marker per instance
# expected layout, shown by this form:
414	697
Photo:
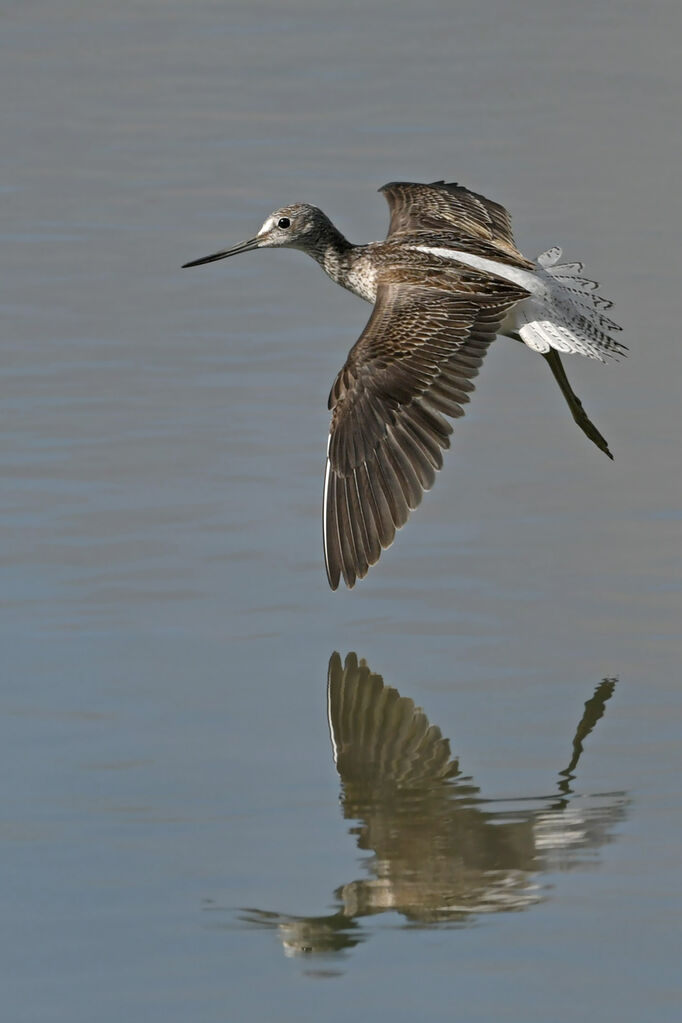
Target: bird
437	850
446	281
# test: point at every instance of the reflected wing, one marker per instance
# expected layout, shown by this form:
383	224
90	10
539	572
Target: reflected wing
379	737
416	207
412	366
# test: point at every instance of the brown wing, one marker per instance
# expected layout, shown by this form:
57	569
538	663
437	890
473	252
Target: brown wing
417	207
412	366
380	738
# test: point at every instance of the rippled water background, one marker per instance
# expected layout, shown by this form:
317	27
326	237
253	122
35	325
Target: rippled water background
172	821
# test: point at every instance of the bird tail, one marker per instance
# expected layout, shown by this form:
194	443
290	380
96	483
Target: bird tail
572	318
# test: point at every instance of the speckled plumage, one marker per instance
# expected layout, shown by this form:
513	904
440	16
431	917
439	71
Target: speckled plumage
446	281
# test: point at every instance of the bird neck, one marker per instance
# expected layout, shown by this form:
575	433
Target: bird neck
334	254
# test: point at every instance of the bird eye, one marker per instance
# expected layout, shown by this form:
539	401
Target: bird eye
283	222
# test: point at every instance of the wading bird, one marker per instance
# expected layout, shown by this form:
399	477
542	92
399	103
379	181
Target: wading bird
446	281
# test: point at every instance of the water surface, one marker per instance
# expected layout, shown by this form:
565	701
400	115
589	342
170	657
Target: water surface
174	821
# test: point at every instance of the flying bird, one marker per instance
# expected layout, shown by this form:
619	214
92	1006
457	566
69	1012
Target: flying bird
446	281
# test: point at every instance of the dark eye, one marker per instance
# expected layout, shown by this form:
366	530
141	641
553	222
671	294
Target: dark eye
283	222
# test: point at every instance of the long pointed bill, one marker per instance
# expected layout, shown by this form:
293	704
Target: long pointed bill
252	243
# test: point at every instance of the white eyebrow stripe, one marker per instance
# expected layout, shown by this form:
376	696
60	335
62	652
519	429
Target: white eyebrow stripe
267	226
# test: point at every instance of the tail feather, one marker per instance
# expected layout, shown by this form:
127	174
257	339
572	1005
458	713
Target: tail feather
541	334
550	257
572	318
569	270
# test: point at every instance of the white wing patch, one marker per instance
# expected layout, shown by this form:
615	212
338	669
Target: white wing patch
526	278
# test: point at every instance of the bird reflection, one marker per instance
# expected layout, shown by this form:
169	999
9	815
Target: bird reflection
440	853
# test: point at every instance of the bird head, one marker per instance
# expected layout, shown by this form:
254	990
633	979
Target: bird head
297	226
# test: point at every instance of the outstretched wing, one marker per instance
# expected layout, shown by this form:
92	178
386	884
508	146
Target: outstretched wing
416	207
412	366
380	738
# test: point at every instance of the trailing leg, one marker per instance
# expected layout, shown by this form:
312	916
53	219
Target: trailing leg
573	401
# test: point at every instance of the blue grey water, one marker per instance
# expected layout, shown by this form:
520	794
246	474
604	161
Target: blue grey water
175	840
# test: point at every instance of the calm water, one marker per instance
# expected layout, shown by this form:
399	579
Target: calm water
178	839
